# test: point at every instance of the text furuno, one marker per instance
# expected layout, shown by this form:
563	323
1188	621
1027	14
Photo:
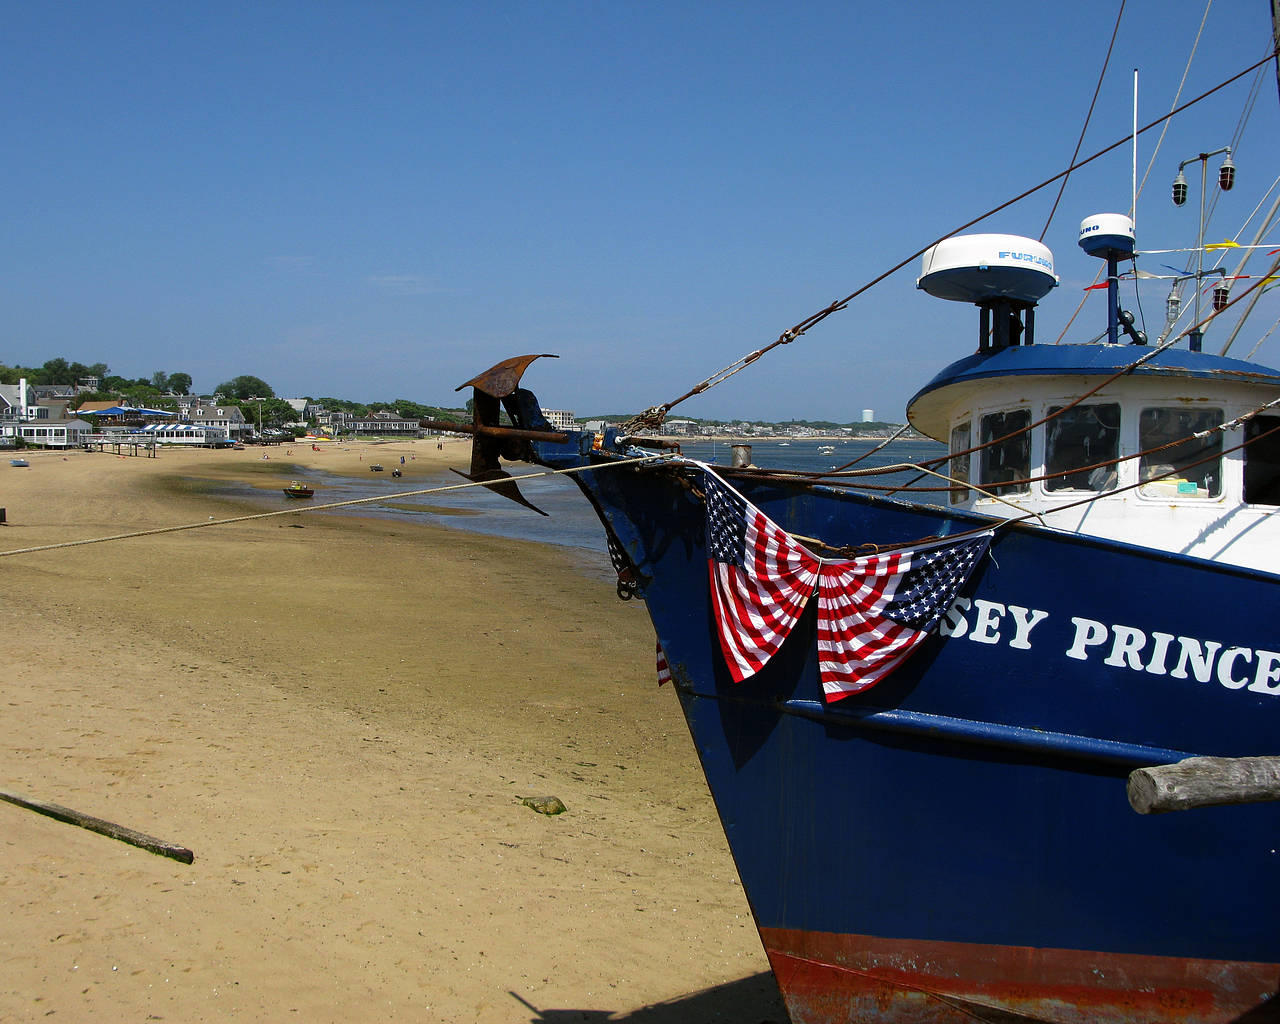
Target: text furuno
1119	646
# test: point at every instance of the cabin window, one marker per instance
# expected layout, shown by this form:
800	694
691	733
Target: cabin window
1262	461
959	468
1075	441
1187	466
1008	459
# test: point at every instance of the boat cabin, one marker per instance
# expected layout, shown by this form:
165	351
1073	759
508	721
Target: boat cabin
1111	440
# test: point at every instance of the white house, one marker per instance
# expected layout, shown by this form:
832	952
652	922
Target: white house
228	417
14	399
560	419
43	433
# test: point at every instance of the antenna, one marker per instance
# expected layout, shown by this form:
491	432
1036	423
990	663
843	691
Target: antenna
1133	209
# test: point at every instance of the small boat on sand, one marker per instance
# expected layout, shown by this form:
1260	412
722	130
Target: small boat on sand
298	489
19	462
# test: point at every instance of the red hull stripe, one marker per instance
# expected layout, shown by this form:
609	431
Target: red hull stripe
831	979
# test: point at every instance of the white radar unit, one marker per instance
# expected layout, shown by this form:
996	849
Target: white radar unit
982	268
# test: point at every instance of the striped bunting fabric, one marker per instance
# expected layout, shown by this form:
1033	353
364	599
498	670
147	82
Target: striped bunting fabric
760	578
664	670
872	611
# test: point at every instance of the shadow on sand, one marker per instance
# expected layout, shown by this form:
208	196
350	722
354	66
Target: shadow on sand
753	1000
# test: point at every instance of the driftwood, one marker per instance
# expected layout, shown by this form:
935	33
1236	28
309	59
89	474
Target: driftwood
106	828
1204	782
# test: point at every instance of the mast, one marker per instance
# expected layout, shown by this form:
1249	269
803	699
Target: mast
1275	36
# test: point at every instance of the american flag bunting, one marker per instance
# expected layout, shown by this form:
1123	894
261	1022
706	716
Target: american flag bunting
872	611
760	579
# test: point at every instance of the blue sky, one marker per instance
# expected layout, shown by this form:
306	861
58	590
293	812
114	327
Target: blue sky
377	200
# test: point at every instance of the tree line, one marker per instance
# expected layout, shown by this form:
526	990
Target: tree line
60	371
255	398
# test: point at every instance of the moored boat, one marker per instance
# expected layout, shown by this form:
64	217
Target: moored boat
298	489
955	840
923	711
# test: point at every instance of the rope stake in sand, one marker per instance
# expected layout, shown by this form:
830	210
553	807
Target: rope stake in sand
320	508
104	828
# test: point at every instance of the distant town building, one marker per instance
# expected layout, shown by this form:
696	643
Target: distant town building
305	408
49	433
384	422
51	392
335	419
229	417
560	419
868	415
13	401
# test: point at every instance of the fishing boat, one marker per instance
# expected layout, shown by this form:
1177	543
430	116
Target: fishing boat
947	834
1001	745
20	463
298	489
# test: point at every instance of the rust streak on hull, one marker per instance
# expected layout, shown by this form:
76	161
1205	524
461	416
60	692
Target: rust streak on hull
833	978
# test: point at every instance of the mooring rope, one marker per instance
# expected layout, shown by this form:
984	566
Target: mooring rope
331	505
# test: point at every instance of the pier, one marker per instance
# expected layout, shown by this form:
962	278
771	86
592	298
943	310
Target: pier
114	443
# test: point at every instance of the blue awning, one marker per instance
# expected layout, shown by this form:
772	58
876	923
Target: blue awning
124	410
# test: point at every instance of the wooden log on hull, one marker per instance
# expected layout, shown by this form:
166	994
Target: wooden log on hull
1204	782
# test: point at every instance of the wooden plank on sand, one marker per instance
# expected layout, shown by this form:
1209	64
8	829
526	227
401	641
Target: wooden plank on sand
106	828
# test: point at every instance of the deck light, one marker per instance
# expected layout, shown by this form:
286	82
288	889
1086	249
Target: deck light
1227	174
1226	179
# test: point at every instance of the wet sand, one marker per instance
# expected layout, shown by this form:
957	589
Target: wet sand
339	716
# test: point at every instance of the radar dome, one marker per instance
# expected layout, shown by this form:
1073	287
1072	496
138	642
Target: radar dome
1107	236
983	268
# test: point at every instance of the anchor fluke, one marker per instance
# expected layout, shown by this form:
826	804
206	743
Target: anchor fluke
501	482
495	389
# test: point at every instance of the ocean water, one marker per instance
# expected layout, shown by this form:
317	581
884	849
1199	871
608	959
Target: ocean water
570	521
813	456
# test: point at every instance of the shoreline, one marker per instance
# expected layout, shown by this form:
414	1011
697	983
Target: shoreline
338	714
774	439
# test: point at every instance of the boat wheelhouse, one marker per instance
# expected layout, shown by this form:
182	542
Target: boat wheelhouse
1161	447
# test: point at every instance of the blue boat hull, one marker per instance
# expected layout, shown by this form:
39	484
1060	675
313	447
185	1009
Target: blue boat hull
956	843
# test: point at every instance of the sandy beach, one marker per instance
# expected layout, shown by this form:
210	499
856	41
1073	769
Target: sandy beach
340	715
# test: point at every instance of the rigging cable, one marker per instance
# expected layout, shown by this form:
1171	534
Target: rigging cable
653	416
329	505
1155	152
1097	89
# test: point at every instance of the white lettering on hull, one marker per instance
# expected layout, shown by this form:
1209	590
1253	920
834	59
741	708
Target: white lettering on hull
1119	646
